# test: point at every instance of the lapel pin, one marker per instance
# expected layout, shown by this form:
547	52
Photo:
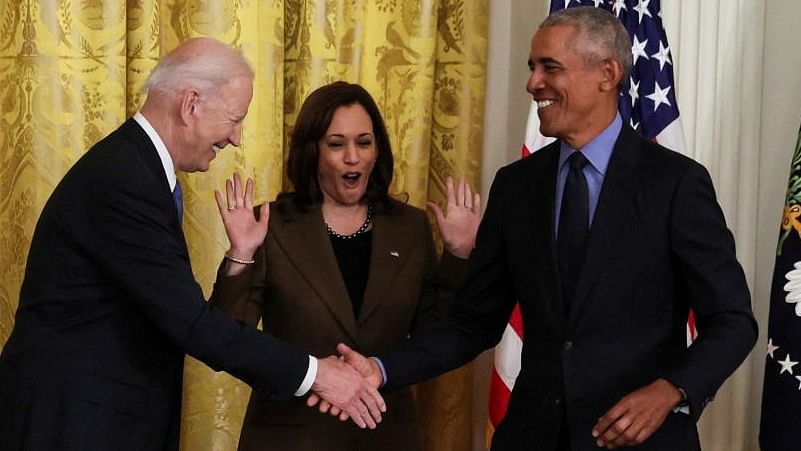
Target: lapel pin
394	253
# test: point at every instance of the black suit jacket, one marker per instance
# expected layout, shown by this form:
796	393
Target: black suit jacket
658	246
109	307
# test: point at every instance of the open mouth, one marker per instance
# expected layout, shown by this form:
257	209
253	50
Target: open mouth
544	103
215	148
351	178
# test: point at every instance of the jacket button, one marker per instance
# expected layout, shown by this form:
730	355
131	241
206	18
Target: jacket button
557	402
566	346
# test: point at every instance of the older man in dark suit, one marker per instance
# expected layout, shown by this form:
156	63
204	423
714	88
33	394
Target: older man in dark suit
606	240
109	306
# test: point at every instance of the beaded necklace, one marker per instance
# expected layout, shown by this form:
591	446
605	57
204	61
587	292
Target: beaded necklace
367	222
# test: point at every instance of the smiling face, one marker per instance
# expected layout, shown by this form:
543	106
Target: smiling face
576	100
347	155
214	122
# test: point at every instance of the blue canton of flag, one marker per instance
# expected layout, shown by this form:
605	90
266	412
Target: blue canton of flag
648	102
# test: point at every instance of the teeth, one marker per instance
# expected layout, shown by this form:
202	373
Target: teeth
216	148
544	103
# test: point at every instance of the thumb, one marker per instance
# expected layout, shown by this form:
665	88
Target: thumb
437	212
344	349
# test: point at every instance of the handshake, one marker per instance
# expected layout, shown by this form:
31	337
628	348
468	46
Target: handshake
347	387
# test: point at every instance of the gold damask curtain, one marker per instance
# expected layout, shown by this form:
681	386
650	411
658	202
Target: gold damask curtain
71	72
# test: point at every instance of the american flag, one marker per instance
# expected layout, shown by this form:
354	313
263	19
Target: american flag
781	391
647	104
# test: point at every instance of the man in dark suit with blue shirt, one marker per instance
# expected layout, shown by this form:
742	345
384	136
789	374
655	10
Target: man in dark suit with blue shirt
606	240
109	306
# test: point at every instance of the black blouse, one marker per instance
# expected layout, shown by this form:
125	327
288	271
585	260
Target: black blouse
353	256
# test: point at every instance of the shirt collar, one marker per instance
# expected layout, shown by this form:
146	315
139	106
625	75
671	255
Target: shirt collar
161	148
599	149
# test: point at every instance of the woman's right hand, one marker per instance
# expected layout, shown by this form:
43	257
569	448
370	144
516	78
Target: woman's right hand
245	231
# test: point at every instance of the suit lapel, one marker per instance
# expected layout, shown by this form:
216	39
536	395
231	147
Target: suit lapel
392	239
540	193
147	151
307	246
617	194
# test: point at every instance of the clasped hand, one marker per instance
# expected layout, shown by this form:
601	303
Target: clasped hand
368	372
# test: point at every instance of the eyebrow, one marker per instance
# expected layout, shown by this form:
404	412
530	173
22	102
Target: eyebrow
544	61
340	135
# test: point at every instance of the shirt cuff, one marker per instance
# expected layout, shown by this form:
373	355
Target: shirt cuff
311	375
383	370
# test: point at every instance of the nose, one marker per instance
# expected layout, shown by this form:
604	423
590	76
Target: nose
351	154
236	135
534	80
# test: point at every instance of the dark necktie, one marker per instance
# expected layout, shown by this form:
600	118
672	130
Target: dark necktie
574	223
178	198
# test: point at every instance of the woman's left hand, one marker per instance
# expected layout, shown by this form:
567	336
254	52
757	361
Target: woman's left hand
245	231
458	226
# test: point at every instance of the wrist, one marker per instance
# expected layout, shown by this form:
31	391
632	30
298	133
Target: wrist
239	258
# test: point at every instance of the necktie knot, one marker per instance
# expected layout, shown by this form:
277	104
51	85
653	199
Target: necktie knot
577	160
178	198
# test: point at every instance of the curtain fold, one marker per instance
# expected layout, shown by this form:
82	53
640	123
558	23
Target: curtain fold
72	70
719	52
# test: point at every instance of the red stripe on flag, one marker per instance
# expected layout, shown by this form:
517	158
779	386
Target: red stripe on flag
499	398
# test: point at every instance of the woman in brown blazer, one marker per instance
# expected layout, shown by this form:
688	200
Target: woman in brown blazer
338	260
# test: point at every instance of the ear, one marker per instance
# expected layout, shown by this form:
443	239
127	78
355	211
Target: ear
189	103
612	72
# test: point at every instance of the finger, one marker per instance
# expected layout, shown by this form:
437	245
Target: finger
325	406
378	399
354	415
616	434
264	213
343	349
335	411
460	192
248	200
229	194
344	416
219	199
468	194
368	417
607	420
437	212
312	400
239	192
451	195
477	203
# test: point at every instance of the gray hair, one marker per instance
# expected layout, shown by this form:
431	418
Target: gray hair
600	34
200	63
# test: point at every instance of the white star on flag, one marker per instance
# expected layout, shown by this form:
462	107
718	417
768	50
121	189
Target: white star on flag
663	55
659	96
633	87
642	9
618	6
598	2
787	365
638	49
799	382
771	347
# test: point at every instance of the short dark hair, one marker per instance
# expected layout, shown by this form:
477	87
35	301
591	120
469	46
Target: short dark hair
310	127
600	28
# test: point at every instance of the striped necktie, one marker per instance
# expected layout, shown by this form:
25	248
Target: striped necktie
178	198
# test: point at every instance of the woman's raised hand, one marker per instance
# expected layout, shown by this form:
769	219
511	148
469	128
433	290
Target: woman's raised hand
245	231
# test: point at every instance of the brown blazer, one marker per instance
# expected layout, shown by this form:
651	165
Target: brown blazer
297	289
